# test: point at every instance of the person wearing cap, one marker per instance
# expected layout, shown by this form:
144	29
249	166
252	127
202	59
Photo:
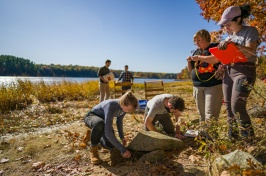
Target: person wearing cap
238	76
158	109
104	84
126	76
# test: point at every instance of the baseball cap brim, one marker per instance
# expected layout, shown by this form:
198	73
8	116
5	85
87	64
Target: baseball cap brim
224	21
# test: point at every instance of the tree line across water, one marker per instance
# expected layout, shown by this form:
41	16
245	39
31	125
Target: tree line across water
15	66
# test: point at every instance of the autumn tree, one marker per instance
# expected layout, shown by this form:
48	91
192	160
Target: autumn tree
213	10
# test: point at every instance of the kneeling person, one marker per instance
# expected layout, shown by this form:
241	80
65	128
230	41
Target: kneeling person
100	121
158	109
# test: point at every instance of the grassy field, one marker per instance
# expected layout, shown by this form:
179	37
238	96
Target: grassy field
42	129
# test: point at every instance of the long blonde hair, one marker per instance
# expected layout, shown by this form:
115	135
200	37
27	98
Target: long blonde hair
128	99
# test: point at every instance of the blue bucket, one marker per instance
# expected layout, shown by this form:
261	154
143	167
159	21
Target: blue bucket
142	104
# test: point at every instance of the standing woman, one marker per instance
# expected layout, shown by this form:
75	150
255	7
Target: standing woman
237	75
207	89
100	121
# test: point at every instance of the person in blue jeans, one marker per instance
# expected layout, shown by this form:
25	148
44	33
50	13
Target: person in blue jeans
100	121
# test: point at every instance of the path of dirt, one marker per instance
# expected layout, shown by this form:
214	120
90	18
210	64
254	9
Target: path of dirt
176	162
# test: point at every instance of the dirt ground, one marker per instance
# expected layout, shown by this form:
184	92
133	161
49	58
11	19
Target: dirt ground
45	140
56	149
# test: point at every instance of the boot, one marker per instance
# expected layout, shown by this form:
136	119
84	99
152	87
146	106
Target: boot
247	133
87	136
94	155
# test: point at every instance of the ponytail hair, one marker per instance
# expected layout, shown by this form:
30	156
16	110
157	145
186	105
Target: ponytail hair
128	99
245	12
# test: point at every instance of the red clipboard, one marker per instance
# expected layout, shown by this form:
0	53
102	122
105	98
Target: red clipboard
231	55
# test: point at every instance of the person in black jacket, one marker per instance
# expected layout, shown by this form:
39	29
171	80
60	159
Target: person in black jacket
207	89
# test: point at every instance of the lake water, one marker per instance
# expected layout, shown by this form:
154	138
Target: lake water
7	80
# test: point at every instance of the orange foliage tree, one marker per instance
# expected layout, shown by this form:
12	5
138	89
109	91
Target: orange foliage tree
213	10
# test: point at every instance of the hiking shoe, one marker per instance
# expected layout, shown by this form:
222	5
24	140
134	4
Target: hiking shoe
94	155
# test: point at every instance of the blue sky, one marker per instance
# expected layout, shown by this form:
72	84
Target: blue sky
147	35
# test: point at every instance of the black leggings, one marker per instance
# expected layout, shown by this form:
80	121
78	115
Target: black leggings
236	92
96	124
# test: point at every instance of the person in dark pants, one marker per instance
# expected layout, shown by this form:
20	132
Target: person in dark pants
126	76
158	109
100	122
238	77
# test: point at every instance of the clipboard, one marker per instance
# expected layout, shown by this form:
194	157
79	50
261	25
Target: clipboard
231	55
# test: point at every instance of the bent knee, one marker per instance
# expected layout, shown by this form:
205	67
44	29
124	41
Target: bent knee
99	126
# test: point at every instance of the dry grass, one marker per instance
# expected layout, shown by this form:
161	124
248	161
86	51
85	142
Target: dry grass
51	133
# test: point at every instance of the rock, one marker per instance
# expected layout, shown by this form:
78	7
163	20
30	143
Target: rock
116	157
257	112
153	157
237	157
259	152
151	140
38	165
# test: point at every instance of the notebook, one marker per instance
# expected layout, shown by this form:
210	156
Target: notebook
231	55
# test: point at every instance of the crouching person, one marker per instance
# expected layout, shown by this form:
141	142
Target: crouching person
100	121
158	109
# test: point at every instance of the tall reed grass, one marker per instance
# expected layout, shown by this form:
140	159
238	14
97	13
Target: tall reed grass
17	95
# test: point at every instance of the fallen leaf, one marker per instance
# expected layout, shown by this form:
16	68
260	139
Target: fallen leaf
77	157
147	162
82	144
223	147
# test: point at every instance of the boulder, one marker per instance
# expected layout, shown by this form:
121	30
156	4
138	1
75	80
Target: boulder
237	157
153	157
257	112
150	140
